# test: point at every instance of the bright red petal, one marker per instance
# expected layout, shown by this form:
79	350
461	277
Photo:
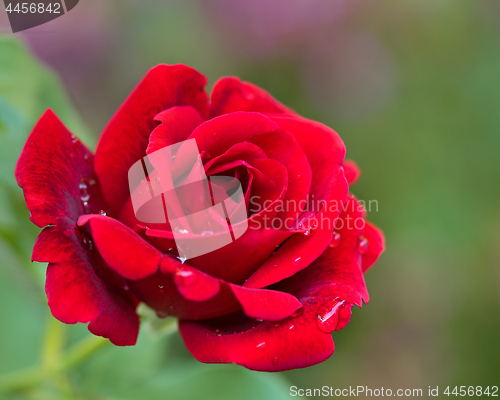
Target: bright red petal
376	245
177	123
125	138
322	146
327	289
351	171
231	95
121	248
270	305
266	346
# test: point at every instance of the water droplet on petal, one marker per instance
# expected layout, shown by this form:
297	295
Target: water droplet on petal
308	232
291	327
298	313
75	140
336	239
262	345
84	190
162	314
297	262
183	231
185	277
87	242
362	245
328	319
126	288
275	360
162	288
206	233
298	177
102	212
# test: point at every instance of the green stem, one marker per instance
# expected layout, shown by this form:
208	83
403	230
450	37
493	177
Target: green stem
53	361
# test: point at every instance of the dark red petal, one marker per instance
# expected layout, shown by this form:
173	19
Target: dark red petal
322	146
245	151
300	250
236	261
327	290
76	294
351	171
125	138
283	147
337	273
231	95
177	123
266	346
192	284
121	248
50	169
217	135
376	245
269	305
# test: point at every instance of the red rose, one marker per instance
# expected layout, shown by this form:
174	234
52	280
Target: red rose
270	299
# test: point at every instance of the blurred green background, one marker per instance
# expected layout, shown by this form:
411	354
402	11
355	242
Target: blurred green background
412	87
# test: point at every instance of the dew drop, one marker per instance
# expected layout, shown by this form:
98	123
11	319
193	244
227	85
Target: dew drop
183	231
275	360
126	288
336	239
298	177
185	277
162	288
206	233
298	313
259	320
277	325
328	319
262	345
87	242
219	332
291	327
162	314
297	262
362	245
102	212
84	190
75	140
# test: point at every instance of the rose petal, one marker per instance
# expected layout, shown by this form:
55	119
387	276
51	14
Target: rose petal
300	250
327	290
322	146
50	170
265	346
376	245
256	303
121	248
351	171
177	123
76	294
125	138
230	95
